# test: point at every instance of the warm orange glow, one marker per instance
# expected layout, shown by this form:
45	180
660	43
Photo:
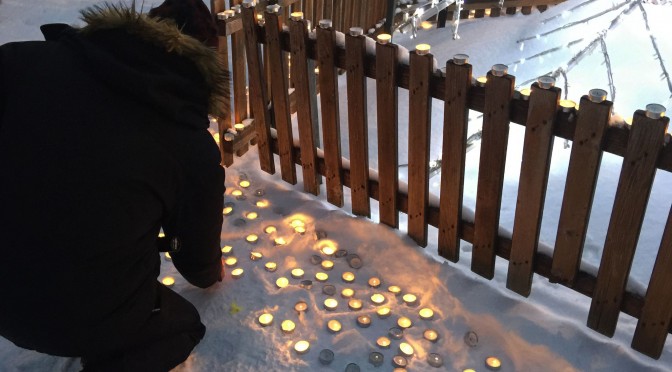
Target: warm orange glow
410	299
334	326
394	289
330	304
355	304
230	261
422	49
404	322
301	306
297	273
265	319
327	247
262	203
302	347
236	193
237	273
347	292
426	314
327	264
493	363
244	184
270	229
406	349
364	321
256	256
280	241
252	238
300	230
287	326
430	335
377	298
348	277
251	215
426	25
383	312
383	342
282	282
227	249
271	266
168	281
374	282
321	277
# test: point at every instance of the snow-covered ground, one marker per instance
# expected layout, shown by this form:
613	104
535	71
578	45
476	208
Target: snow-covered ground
543	332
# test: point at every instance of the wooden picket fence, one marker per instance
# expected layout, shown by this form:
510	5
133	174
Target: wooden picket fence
642	146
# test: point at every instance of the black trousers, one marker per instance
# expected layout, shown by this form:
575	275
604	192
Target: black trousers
162	343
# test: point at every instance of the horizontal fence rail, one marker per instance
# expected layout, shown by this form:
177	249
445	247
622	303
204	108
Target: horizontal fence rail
642	145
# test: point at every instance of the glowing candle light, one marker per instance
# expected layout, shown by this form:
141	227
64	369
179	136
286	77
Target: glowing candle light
287	326
262	203
377	298
236	193
426	25
280	241
383	342
321	277
240	126
399	361
237	273
383	312
328	250
394	289
270	229
481	80
244	183
300	230
168	281
330	304
493	363
296	16
422	49
469	370
384	38
327	264
525	93
301	347
252	238
355	304
265	319
430	335
426	314
297	273
227	250
271	266
404	322
167	255
567	105
434	360
364	321
334	326
301	307
256	256
282	282
227	210
251	215
348	277
410	299
406	349
347	292
162	234
374	282
230	261
297	222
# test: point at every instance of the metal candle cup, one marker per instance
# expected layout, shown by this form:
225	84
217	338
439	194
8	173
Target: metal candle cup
364	321
334	326
355	304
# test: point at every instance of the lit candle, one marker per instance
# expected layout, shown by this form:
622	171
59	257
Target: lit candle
227	250
396	333
469	370
297	222
430	335
410	299
256	256
167	256
282	282
384	38
481	80
434	360
328	250
230	261
271	266
296	16
404	322
301	347
251	215
327	264
280	241
567	105
383	312
348	277
383	342
321	277
422	49
265	319
426	314
270	229
252	238
287	326
364	321
399	361
355	304
262	203
426	25
374	282
330	304
236	193
406	349
347	292
297	273
227	210
244	183
525	93
168	281
493	363
300	230
240	126
326	356
237	273
394	289
377	298
334	326
376	359
301	307
329	290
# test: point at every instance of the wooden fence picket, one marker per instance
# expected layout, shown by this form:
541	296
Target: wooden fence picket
238	73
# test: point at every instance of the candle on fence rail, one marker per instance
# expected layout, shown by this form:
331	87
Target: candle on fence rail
383	312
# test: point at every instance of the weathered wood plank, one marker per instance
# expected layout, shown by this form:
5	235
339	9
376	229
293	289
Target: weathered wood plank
654	323
536	162
526	10
328	12
358	127
419	133
304	112
632	195
319	10
239	72
338	14
495	12
388	132
258	93
455	125
328	81
498	93
511	10
577	201
479	13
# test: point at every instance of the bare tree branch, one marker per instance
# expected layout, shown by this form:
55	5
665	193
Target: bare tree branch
570	10
547	51
666	75
610	74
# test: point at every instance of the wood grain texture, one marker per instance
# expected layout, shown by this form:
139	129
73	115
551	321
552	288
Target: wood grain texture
455	125
498	93
632	195
577	201
536	162
238	73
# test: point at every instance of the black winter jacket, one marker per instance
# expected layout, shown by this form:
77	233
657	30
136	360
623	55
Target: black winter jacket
103	141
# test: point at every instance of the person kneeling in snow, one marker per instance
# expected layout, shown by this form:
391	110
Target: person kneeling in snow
104	141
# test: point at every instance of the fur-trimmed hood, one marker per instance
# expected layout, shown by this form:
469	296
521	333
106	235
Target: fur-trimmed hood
115	36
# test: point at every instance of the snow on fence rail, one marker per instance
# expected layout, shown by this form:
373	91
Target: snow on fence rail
642	146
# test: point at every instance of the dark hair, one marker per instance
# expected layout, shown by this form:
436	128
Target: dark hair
191	16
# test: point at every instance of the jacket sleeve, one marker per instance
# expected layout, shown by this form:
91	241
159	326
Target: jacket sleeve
2	89
197	223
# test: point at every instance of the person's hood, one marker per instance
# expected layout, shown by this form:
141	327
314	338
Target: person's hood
149	59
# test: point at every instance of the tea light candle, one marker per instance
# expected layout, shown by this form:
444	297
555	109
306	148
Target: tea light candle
237	273
567	105
347	292
296	16
396	333
321	277
481	80
262	203
230	261
270	229
302	347
167	255
287	326
377	298
326	356
334	326
168	281
252	238
406	349
348	277
236	193
376	359
399	361
434	360
394	290
240	126
383	342
327	264
364	321
227	210
330	304
383	312
271	266
404	322
426	314
329	290
251	215
471	338
315	259
384	38
280	241
328	250
354	261
282	282
301	307
244	183
492	363
265	319
410	299
297	273
297	222
430	335
355	304
422	49
525	94
226	250
300	230
597	95
374	282
256	256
